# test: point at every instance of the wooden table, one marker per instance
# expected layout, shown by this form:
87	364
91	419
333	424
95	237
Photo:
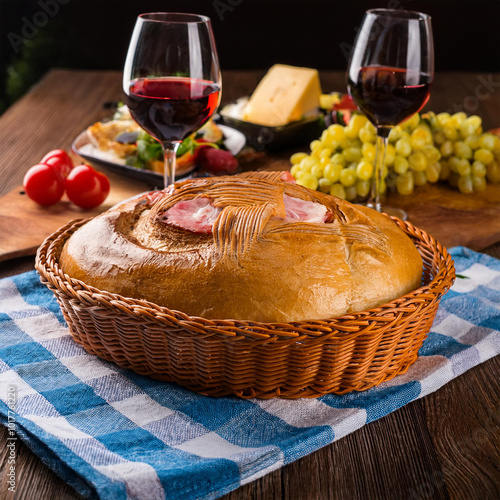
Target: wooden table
446	445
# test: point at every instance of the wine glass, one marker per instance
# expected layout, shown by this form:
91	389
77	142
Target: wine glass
171	78
389	77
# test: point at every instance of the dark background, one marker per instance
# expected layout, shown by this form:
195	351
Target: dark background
250	34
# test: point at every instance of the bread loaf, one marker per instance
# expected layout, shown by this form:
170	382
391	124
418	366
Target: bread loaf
251	247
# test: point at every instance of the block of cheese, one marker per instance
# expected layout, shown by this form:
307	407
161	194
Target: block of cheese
284	95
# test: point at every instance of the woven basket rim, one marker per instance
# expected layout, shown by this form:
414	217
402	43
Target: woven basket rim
47	262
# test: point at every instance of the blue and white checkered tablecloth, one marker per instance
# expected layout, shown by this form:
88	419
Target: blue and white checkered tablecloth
114	434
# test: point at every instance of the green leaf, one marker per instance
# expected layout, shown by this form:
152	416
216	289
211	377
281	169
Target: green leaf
135	161
148	151
144	136
462	277
186	146
340	118
215	145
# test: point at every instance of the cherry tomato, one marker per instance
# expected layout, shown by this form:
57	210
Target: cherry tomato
217	161
346	103
43	184
60	160
85	187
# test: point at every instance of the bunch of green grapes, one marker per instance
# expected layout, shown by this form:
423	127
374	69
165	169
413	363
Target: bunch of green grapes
422	149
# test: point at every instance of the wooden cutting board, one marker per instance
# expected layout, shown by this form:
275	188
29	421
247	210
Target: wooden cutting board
24	224
451	217
454	218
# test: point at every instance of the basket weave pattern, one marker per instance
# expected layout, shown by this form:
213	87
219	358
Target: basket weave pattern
250	359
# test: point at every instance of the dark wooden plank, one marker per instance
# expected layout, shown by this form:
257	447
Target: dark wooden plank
268	487
464	421
33	479
372	463
493	250
16	266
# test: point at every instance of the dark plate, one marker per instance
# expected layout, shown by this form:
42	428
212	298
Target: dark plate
233	140
288	136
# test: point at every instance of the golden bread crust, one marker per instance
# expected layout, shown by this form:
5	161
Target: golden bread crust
255	264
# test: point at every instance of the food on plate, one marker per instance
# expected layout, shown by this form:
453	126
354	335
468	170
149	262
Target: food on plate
254	246
43	184
86	187
127	142
425	148
285	94
118	136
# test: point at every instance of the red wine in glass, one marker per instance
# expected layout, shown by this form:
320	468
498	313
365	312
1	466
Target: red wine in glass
389	77
171	78
172	108
388	95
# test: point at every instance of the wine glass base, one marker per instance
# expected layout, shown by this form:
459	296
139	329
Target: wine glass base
392	211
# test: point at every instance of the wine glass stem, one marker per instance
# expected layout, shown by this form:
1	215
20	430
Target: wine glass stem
378	174
169	154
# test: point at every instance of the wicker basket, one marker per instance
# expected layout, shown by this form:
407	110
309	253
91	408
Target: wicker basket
250	359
